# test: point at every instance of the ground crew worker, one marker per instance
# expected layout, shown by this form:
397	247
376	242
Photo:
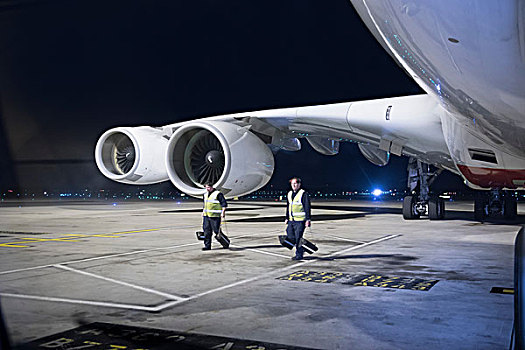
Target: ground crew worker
297	215
214	209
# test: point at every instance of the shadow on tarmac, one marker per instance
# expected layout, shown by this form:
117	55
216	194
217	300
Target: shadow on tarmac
199	210
320	217
362	256
269	246
463	215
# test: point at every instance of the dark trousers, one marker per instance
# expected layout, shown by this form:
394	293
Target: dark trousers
294	233
209	225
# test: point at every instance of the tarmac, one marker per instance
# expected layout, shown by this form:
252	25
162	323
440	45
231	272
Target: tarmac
132	275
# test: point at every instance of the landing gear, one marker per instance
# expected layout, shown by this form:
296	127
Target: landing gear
420	202
497	204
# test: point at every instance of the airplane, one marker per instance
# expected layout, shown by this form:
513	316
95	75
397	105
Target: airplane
467	56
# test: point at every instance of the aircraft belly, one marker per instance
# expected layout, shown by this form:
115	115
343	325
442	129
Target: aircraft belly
467	54
494	178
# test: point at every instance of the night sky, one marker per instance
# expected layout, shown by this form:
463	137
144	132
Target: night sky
69	70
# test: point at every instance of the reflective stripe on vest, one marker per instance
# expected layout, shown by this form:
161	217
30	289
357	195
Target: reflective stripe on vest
295	207
212	207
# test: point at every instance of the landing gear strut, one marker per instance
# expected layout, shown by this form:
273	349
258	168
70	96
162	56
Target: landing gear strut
497	203
420	202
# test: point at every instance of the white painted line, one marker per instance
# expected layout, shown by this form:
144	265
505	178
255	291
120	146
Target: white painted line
144	289
345	239
176	302
100	257
83	302
107	256
261	251
273	272
363	245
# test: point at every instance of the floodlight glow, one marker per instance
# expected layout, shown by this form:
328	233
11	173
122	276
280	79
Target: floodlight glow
377	192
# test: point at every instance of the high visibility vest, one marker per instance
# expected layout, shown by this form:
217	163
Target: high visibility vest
212	207
295	206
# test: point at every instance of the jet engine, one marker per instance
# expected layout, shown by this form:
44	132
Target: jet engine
132	155
229	156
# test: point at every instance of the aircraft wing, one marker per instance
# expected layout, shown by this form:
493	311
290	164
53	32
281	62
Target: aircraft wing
236	151
409	126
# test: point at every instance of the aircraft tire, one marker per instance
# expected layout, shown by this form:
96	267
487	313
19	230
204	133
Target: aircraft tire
510	209
479	208
408	208
436	208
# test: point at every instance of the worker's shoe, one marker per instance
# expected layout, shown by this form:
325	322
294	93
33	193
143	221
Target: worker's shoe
206	248
297	258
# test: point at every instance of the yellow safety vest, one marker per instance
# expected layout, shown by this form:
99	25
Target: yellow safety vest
212	207
295	206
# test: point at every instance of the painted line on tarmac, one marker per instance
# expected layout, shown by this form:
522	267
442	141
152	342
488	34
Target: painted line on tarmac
260	251
345	239
105	257
134	286
69	237
77	301
170	304
273	272
99	258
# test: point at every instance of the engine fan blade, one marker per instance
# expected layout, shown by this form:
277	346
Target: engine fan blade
207	159
125	158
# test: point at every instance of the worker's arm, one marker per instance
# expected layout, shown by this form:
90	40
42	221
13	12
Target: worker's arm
307	209
287	211
224	204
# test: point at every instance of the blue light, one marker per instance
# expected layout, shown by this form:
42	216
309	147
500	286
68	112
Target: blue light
114	204
377	192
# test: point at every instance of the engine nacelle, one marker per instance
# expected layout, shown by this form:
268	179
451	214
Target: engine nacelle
231	157
132	155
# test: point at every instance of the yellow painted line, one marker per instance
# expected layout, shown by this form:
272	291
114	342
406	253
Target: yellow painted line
13	245
63	239
70	237
147	230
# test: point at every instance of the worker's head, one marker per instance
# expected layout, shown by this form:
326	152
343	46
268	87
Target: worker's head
295	182
209	186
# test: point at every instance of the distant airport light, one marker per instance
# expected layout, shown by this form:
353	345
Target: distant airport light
377	192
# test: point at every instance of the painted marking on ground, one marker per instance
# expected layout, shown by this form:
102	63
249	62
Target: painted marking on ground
502	290
260	251
69	237
273	272
173	303
98	258
112	336
312	276
344	239
371	280
134	286
107	256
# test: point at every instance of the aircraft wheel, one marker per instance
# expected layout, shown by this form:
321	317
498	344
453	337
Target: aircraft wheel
409	213
479	208
442	204
510	208
436	208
